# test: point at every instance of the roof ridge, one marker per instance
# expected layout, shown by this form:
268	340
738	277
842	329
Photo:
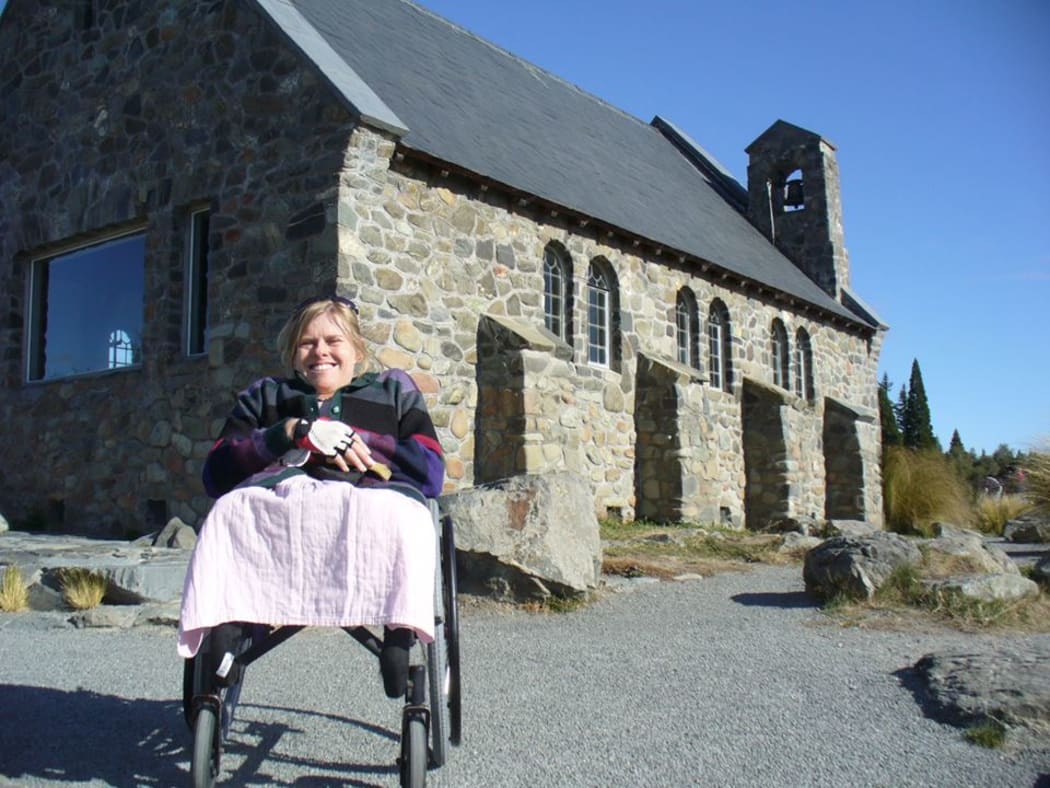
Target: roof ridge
528	64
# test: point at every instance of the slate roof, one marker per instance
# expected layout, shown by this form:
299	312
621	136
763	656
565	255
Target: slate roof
460	99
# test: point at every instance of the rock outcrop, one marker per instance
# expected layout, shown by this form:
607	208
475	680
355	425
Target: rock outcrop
1008	685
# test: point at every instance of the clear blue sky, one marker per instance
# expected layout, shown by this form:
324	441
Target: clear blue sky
940	112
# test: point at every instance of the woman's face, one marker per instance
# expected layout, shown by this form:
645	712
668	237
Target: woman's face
325	355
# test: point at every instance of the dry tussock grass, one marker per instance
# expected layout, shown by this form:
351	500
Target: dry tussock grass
922	487
14	596
1037	479
992	513
82	589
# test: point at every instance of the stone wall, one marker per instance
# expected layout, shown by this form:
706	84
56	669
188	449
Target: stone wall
447	271
134	122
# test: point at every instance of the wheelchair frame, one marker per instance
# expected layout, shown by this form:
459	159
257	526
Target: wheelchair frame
209	702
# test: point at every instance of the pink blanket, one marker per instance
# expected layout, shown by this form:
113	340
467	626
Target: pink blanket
313	553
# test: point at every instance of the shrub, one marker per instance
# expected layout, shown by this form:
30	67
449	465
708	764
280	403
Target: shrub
921	488
993	513
14	596
81	588
1037	480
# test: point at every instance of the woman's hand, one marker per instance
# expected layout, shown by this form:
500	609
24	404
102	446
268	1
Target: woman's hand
336	441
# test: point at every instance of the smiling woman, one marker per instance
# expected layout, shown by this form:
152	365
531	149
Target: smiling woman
322	481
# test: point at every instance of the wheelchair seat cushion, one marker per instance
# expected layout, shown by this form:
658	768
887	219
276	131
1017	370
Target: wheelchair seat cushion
313	553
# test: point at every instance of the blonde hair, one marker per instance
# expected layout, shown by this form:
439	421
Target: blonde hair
292	332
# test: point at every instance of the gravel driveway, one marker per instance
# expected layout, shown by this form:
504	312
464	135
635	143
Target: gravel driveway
726	681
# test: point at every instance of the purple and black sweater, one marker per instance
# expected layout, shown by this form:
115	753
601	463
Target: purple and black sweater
385	409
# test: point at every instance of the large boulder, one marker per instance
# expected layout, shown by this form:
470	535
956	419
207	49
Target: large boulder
528	536
1031	527
856	566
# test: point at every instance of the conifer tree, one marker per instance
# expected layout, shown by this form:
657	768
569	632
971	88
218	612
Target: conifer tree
891	433
915	426
960	458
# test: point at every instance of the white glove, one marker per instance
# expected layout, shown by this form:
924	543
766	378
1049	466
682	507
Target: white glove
328	437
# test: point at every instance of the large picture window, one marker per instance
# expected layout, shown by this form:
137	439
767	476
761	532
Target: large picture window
86	309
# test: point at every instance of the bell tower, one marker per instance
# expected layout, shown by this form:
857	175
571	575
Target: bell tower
794	200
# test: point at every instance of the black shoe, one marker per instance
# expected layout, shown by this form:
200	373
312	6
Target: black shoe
393	660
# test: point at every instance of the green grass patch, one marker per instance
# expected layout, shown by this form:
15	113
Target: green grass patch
988	733
908	593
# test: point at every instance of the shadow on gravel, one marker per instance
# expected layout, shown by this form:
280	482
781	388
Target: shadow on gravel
913	679
59	736
787	599
80	736
256	742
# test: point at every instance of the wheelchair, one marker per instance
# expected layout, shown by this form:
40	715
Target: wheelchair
432	705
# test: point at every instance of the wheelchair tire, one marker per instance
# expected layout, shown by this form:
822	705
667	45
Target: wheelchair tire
438	681
448	571
414	751
204	767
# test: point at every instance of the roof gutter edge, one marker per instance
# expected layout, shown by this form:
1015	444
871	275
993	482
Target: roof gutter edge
731	190
363	102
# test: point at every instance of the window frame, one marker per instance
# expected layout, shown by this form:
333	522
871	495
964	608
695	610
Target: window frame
599	316
804	387
195	297
37	287
687	328
719	335
780	353
557	293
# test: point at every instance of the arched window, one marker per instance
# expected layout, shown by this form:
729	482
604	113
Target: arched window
719	347
121	352
602	320
557	289
779	352
804	366
687	328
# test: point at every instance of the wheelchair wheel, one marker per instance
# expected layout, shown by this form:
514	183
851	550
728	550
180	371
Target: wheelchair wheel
414	751
205	765
451	631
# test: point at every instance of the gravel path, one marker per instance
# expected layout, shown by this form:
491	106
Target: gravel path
734	680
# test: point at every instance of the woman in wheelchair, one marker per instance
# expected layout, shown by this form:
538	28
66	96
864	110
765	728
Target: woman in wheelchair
322	479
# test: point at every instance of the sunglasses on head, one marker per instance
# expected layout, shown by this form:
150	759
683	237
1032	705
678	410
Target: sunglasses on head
318	299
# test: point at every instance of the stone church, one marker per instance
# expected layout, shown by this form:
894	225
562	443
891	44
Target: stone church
574	289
